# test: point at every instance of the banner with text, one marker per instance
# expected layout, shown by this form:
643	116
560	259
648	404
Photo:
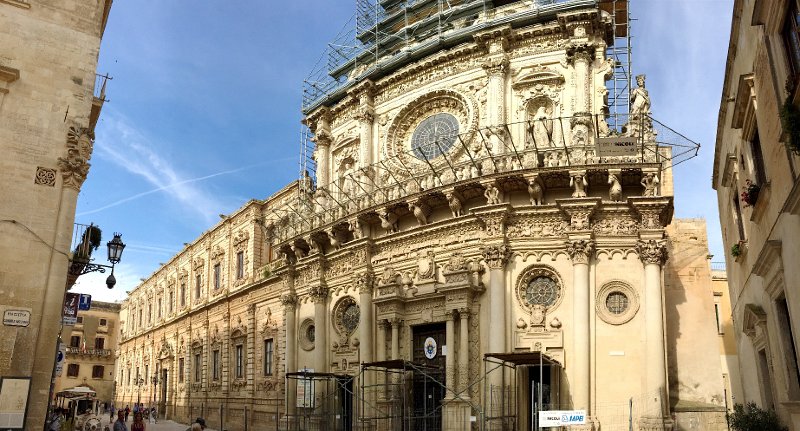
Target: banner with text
561	418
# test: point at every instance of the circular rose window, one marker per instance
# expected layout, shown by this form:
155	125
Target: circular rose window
434	136
542	291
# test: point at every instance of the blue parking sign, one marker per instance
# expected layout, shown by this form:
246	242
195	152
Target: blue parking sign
85	302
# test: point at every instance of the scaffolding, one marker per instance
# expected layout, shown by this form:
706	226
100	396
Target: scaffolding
619	51
324	401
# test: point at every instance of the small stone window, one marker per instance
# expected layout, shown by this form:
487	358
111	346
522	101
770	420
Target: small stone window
617	302
307	334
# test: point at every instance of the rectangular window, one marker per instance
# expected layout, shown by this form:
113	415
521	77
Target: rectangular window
140	318
765	380
129	376
268	349
73	370
181	370
758	159
75	341
215	365
170	302
717	314
240	265
737	215
788	341
216	276
103	322
159	308
99	343
98	371
146	373
239	361
791	36
198	285
183	294
198	362
79	320
149	313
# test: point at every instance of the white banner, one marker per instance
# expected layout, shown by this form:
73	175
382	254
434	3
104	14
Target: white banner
560	418
618	146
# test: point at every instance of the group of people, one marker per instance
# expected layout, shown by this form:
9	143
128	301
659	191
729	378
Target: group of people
138	424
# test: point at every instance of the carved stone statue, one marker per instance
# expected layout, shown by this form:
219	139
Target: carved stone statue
535	191
649	182
578	183
615	192
335	243
640	99
307	184
355	227
455	203
419	213
388	221
551	160
542	128
492	195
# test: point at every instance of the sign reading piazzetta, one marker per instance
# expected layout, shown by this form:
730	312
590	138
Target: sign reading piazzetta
17	318
560	418
618	146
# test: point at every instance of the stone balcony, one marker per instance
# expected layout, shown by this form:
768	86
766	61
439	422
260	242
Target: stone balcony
89	352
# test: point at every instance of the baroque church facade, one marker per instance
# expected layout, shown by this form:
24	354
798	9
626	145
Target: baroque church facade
480	239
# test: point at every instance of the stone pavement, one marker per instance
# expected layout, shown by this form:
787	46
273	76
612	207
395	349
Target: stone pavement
162	425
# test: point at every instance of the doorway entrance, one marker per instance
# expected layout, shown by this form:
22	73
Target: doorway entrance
162	405
427	395
346	400
538	387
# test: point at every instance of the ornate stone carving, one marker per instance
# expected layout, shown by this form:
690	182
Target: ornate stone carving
75	166
388	276
457	262
536	190
426	265
580	250
539	285
454	202
615	191
419	209
579	184
318	294
493	222
650	183
388	221
365	282
616	226
652	251
346	317
492	194
496	256
45	177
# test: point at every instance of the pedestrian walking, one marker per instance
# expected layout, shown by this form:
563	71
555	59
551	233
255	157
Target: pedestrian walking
127	412
138	422
120	424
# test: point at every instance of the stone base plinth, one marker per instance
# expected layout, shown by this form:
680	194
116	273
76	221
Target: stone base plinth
655	423
455	415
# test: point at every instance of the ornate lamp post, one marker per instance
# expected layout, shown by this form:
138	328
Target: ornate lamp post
154	411
82	263
139	382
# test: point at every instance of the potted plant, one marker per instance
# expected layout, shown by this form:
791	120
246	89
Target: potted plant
750	193
736	250
790	118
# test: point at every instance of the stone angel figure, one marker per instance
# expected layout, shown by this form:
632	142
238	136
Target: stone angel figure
615	191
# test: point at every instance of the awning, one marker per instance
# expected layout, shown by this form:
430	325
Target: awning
522	358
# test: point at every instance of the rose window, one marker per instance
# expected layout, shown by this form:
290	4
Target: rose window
434	136
350	317
617	302
542	291
310	333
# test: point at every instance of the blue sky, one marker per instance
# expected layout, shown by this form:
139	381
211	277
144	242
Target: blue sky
204	112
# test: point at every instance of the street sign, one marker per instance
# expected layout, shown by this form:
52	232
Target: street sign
85	303
70	314
17	318
60	356
561	418
617	146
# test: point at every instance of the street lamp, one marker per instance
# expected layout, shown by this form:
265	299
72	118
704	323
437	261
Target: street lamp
155	386
139	382
81	262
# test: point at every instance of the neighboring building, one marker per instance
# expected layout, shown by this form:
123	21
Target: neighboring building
48	59
484	234
91	348
761	224
727	337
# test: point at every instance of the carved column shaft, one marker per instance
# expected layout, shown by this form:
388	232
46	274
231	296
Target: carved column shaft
382	355
496	69
463	353
580	251
289	302
653	254
581	60
496	258
367	318
450	357
395	338
319	297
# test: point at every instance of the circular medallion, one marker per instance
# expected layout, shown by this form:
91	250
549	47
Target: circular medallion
541	291
434	136
617	302
430	348
346	316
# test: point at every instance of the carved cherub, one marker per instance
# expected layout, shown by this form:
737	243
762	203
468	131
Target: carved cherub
578	183
615	192
492	195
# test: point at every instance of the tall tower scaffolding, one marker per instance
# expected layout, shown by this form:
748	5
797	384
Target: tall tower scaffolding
619	86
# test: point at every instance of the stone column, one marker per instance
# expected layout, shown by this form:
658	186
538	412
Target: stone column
381	340
395	337
653	254
581	57
496	68
322	138
250	375
580	252
496	258
450	357
365	284
289	302
463	353
319	296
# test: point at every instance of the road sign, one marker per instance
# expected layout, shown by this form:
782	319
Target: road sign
60	356
85	302
560	418
71	308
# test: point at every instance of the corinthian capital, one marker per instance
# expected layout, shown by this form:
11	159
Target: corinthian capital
365	282
496	65
652	251
496	256
289	301
580	250
318	294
